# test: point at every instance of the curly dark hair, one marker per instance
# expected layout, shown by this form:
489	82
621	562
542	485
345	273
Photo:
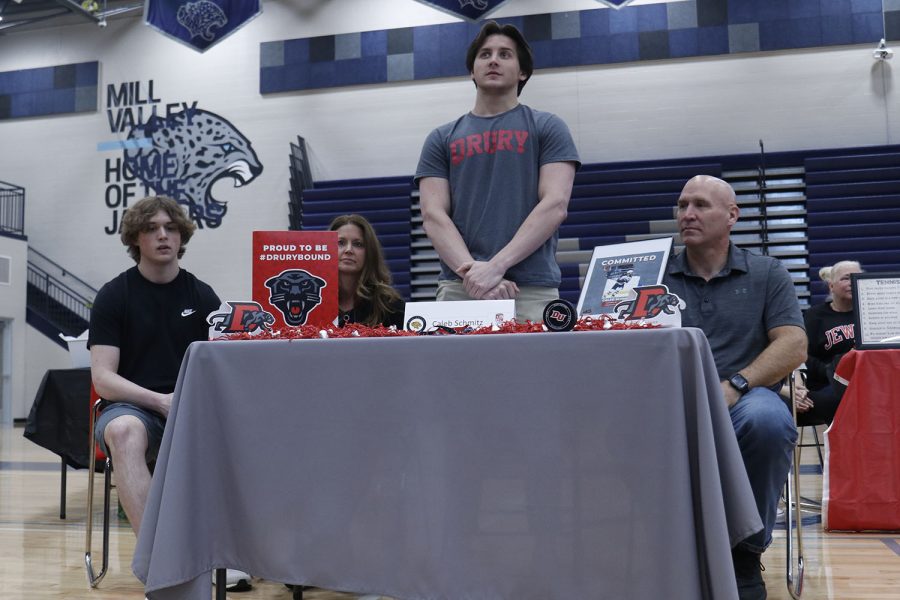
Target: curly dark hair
139	214
374	284
523	50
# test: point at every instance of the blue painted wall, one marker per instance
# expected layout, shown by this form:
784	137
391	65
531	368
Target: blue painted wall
587	37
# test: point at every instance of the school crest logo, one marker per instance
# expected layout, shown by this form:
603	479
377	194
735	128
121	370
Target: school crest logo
295	293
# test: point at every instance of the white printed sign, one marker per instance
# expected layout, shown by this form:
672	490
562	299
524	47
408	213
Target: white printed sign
428	316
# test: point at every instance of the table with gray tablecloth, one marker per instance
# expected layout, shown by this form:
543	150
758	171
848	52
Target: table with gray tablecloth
585	465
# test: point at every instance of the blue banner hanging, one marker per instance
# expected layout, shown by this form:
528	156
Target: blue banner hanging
199	24
615	3
470	10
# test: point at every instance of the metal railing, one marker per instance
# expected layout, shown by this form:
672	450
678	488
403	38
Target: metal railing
12	209
63	299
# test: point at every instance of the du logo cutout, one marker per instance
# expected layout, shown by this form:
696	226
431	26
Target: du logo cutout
651	302
239	317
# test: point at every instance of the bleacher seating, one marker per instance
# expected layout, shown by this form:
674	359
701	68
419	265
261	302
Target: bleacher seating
853	210
615	203
385	202
821	206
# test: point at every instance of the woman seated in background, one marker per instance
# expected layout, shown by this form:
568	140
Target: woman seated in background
825	276
829	328
365	294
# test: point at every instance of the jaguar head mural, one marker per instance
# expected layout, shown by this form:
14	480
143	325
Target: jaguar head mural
184	154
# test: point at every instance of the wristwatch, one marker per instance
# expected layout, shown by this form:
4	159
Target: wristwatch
740	383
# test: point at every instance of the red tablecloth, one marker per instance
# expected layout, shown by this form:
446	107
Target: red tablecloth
862	470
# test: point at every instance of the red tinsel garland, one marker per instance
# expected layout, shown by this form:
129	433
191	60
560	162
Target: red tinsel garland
305	332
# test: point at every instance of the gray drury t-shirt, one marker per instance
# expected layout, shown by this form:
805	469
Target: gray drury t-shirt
492	165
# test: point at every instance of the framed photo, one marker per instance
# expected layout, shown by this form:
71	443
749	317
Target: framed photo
616	270
876	302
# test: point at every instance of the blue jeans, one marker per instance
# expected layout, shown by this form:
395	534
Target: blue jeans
766	435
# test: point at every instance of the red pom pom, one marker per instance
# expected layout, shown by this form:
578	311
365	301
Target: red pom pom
351	330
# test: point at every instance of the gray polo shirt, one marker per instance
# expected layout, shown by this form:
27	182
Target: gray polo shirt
736	309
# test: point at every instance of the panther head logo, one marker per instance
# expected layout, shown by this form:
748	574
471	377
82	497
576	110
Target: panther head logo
295	293
184	154
260	319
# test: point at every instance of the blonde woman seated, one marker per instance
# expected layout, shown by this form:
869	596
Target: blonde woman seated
830	331
365	294
825	276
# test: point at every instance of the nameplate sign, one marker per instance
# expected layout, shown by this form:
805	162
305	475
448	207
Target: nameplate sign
423	317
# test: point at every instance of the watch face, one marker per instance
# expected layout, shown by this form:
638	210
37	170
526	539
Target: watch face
739	382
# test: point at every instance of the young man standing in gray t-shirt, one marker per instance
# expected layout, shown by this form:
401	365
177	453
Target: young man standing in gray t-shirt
495	184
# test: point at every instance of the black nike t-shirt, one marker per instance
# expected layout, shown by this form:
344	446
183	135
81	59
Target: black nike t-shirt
152	324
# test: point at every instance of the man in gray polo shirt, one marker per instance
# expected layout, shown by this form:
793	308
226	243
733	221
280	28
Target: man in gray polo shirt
747	307
495	184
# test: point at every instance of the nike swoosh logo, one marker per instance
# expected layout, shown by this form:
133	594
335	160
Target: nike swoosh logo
187	312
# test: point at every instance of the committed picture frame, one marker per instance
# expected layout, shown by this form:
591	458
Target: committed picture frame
876	302
615	270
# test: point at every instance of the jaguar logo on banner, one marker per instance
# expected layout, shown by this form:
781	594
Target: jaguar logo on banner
615	3
199	24
471	10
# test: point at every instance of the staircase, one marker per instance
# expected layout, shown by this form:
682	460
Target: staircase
57	301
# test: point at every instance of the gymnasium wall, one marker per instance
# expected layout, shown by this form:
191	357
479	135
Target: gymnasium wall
70	163
13	330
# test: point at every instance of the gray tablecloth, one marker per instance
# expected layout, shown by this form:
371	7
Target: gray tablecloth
568	465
